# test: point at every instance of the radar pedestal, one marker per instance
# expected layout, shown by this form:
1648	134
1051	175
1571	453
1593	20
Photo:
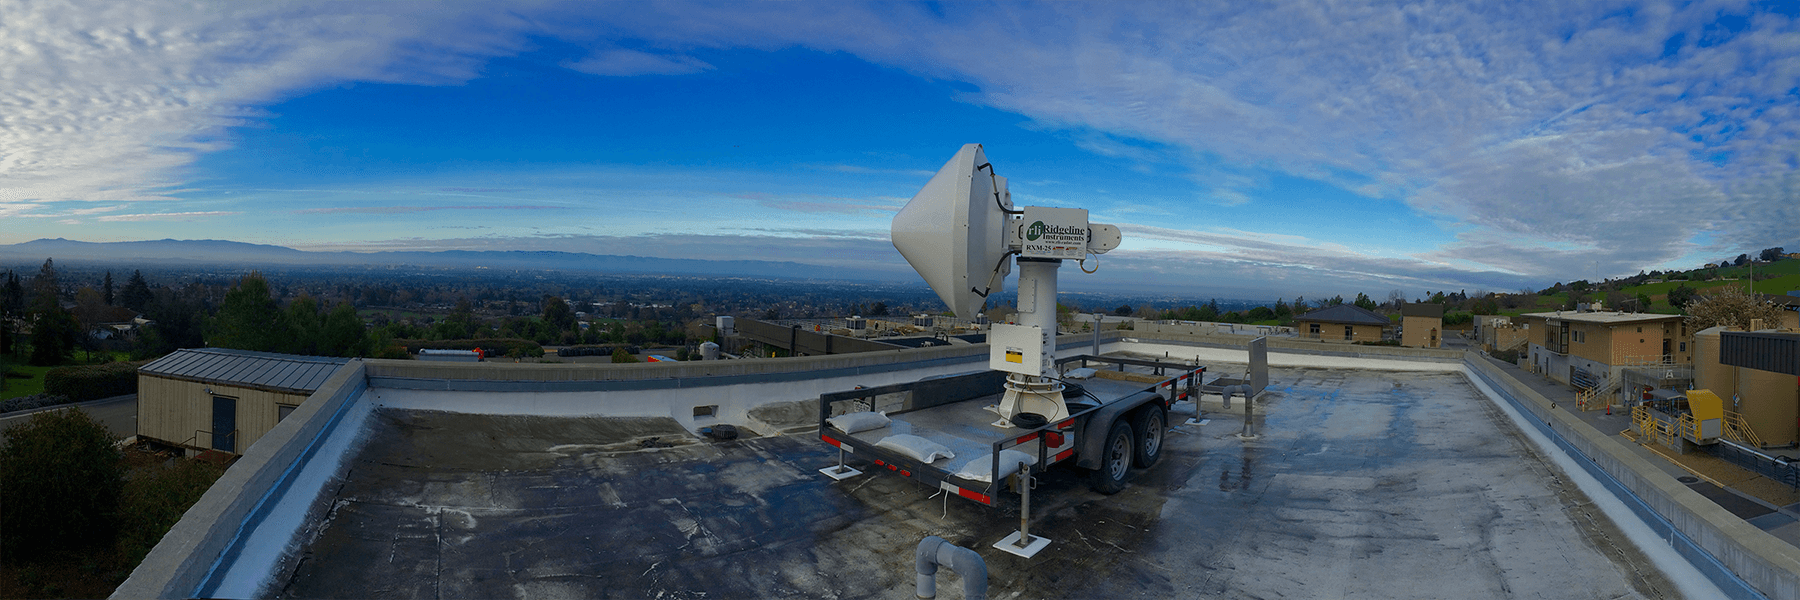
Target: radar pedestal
1027	350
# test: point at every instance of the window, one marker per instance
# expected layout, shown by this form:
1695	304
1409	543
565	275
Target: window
1313	329
1640	329
1684	346
1580	336
283	410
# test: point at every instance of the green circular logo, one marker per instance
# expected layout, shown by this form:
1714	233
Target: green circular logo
1035	231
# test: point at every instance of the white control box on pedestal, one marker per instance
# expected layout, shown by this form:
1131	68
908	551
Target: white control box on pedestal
1017	349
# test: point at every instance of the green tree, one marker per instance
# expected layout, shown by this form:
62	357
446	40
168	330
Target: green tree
558	315
302	324
342	333
248	318
1124	310
54	330
12	309
136	295
621	356
106	289
880	310
61	479
1363	300
1681	296
54	333
460	323
1281	309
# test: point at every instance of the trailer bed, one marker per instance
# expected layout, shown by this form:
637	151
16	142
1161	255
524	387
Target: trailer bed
967	428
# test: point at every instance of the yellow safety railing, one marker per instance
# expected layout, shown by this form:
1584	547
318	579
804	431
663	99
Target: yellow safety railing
1738	430
1653	429
1688	428
1590	399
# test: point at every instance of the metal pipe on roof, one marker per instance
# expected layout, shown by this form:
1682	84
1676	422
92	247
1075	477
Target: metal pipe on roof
934	551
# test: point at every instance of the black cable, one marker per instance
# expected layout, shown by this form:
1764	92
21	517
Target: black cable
996	185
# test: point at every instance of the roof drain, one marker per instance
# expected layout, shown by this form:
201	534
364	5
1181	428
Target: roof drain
934	551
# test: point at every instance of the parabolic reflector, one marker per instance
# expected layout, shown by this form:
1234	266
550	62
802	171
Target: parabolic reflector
953	232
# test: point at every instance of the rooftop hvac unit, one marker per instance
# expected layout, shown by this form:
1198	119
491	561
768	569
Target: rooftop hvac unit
727	325
922	320
856	323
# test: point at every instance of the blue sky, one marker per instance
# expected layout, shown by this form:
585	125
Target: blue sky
1302	148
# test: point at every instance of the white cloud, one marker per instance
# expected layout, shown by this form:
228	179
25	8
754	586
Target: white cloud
171	216
620	63
1553	137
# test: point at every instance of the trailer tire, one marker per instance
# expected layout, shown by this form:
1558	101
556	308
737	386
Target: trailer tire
1115	459
1150	424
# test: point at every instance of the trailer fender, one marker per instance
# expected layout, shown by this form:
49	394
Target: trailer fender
1093	431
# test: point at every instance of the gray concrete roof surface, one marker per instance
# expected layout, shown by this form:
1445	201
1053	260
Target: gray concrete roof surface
1362	484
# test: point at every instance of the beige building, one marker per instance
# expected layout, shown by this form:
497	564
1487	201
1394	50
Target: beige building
1342	323
1756	375
1586	349
222	399
1422	325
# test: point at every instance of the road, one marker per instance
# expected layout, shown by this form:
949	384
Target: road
119	413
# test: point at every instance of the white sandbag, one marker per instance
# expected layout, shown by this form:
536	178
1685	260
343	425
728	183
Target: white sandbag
858	421
919	448
1081	373
977	470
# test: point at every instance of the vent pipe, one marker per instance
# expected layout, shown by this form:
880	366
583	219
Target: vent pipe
934	552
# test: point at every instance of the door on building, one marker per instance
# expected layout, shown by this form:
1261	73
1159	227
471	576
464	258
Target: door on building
1666	358
224	424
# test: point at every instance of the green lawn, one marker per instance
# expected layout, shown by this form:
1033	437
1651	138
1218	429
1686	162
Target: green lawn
24	387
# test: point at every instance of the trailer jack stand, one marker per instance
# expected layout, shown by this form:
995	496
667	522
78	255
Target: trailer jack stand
1021	542
841	471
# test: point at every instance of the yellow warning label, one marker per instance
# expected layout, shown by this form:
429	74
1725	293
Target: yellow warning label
1015	356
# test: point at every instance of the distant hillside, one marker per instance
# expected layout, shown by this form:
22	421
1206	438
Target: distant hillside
221	252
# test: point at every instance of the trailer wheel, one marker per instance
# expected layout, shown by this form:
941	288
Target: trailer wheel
1115	460
1150	425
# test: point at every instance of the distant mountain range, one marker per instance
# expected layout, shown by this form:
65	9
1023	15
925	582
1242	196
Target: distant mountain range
222	252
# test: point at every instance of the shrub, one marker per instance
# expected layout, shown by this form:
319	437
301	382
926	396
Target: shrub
93	382
60	478
153	501
32	401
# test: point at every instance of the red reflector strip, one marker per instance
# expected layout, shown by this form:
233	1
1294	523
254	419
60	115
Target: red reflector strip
1026	438
1066	424
879	463
906	472
976	496
1062	456
833	442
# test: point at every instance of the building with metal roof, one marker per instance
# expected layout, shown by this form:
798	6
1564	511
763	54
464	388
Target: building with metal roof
1344	322
224	399
1421	324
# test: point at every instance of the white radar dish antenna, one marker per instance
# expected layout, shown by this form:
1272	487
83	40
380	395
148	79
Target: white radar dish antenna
960	233
953	232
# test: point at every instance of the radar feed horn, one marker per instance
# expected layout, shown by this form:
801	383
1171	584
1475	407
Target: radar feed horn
953	232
